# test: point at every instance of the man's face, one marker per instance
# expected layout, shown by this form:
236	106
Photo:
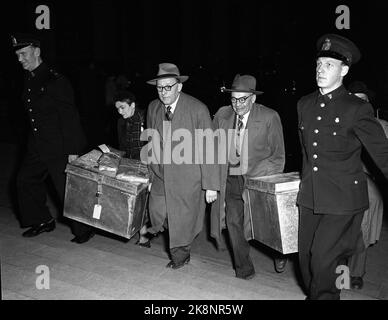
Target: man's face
240	107
124	109
168	97
329	73
28	57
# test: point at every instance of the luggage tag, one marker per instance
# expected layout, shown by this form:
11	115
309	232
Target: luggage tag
97	211
97	207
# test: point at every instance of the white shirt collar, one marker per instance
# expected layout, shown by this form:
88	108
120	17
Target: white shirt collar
244	120
173	105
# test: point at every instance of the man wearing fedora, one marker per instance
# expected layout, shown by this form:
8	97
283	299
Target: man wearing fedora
178	189
259	151
55	132
334	125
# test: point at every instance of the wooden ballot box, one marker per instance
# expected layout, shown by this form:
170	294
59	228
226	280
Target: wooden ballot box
273	211
104	202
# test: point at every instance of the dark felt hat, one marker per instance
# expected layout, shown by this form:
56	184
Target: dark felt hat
360	87
245	83
22	40
168	70
338	47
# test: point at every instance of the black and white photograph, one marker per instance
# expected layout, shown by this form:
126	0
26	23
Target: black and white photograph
194	156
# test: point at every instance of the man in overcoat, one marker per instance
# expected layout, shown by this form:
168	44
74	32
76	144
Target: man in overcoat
55	133
256	149
180	180
334	125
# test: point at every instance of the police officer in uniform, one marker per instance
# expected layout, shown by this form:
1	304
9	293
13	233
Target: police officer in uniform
55	132
334	125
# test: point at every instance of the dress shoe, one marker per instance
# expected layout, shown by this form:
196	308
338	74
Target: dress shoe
43	227
83	238
174	265
146	244
280	264
356	283
247	277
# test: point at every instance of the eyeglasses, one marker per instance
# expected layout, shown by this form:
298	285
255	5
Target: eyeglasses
241	99
167	88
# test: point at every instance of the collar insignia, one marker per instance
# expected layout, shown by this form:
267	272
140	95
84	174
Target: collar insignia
326	45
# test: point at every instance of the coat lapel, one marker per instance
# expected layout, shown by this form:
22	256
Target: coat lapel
179	112
227	121
253	122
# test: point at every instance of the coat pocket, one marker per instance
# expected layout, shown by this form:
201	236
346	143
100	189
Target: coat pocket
353	190
334	138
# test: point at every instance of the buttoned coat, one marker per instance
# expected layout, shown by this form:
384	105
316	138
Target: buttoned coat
333	128
180	186
262	154
55	125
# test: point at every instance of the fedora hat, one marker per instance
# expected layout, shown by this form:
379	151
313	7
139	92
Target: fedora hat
361	87
245	83
168	70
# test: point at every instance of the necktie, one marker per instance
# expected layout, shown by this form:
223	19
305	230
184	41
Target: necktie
169	113
240	125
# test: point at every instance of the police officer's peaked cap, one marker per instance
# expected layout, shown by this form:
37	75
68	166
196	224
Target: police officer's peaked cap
22	40
338	47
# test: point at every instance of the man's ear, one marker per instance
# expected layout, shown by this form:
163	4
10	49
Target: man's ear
344	70
180	86
37	52
132	105
253	98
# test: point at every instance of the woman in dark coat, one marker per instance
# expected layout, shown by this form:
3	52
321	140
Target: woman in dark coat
130	126
129	129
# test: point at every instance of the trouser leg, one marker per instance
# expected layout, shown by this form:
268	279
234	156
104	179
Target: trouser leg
235	224
334	240
157	212
180	254
32	193
307	225
357	264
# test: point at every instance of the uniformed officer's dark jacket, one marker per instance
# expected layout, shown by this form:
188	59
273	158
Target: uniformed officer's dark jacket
55	126
332	129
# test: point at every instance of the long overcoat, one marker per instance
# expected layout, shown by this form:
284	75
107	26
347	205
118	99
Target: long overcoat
179	178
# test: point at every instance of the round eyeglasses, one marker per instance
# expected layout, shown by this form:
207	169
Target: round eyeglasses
241	100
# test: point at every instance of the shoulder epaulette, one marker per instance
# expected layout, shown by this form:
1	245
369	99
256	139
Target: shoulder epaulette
55	74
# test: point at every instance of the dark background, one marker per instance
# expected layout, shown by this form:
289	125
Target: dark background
209	40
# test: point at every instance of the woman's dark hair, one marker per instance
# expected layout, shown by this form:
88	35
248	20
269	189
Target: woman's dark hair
125	96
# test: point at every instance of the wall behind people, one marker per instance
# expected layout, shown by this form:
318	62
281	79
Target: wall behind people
90	90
